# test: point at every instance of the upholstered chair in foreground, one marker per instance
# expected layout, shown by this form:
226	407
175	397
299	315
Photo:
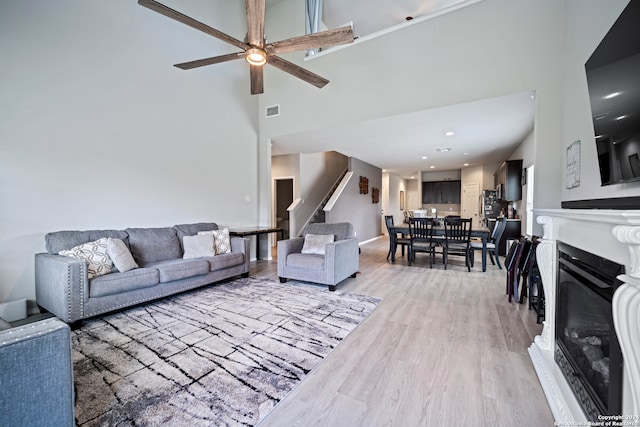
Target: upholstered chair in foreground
36	374
326	254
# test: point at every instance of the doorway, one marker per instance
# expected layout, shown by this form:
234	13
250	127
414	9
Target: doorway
283	197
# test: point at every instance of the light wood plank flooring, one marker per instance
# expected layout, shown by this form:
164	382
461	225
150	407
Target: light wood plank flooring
443	348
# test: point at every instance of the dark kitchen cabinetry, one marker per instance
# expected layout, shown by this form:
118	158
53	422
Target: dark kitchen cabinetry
511	231
508	178
441	192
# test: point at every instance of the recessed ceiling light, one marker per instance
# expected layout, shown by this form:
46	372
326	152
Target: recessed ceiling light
449	133
432	167
612	95
465	154
384	170
466	164
424	157
621	117
443	149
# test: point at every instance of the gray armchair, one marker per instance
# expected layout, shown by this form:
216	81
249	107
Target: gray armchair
339	261
36	374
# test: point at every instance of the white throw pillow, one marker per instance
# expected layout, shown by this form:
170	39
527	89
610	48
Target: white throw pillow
198	246
314	243
95	254
120	255
221	240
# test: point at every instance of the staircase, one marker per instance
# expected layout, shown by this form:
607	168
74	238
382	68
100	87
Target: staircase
319	214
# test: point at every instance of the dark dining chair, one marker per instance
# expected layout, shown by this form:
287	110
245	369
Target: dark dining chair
492	243
421	237
395	239
457	234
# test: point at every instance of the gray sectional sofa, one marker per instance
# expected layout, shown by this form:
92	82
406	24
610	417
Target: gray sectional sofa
64	286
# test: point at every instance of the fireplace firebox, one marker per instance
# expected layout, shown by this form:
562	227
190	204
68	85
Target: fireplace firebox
587	349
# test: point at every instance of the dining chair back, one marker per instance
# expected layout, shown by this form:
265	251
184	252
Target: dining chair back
457	239
421	237
395	239
492	244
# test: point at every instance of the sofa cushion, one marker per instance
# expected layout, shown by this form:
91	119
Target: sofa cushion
96	256
219	262
314	243
308	261
116	283
180	269
193	229
154	244
64	240
341	230
198	246
120	255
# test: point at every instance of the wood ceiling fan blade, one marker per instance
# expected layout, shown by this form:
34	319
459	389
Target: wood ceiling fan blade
173	14
257	80
255	22
209	61
296	71
342	35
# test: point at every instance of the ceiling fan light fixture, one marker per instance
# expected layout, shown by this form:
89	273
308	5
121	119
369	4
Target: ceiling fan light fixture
256	56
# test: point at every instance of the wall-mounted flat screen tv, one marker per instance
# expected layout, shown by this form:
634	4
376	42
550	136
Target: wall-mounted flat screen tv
613	79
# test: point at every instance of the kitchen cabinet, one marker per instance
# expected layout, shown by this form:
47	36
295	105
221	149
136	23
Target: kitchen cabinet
511	231
441	192
508	177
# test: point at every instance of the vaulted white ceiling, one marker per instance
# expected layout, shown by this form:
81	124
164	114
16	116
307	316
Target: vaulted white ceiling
485	131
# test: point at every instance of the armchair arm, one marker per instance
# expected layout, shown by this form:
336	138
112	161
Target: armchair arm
62	285
286	247
36	363
342	259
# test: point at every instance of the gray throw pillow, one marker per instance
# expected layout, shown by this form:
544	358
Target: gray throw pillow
198	246
4	324
314	243
120	255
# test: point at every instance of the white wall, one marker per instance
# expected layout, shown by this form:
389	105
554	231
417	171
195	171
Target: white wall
359	209
99	130
392	185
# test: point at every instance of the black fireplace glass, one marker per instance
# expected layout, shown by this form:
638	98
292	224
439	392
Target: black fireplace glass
585	331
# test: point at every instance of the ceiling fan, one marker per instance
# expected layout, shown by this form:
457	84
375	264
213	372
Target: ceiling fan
256	52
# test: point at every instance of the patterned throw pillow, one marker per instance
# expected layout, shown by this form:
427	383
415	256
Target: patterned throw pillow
221	240
95	254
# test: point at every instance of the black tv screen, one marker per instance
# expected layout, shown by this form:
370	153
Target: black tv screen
613	79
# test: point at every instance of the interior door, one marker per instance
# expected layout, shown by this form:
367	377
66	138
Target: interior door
470	205
412	201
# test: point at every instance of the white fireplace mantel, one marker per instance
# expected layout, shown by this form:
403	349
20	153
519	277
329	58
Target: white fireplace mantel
611	234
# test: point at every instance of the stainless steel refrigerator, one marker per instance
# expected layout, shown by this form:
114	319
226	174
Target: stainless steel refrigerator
490	205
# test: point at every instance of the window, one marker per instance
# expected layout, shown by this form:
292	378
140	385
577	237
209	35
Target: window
529	201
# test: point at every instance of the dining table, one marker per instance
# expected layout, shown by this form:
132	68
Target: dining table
481	232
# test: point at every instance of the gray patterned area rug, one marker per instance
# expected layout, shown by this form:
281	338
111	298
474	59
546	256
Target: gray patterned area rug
220	355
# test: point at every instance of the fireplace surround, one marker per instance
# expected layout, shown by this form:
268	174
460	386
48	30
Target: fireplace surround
610	234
